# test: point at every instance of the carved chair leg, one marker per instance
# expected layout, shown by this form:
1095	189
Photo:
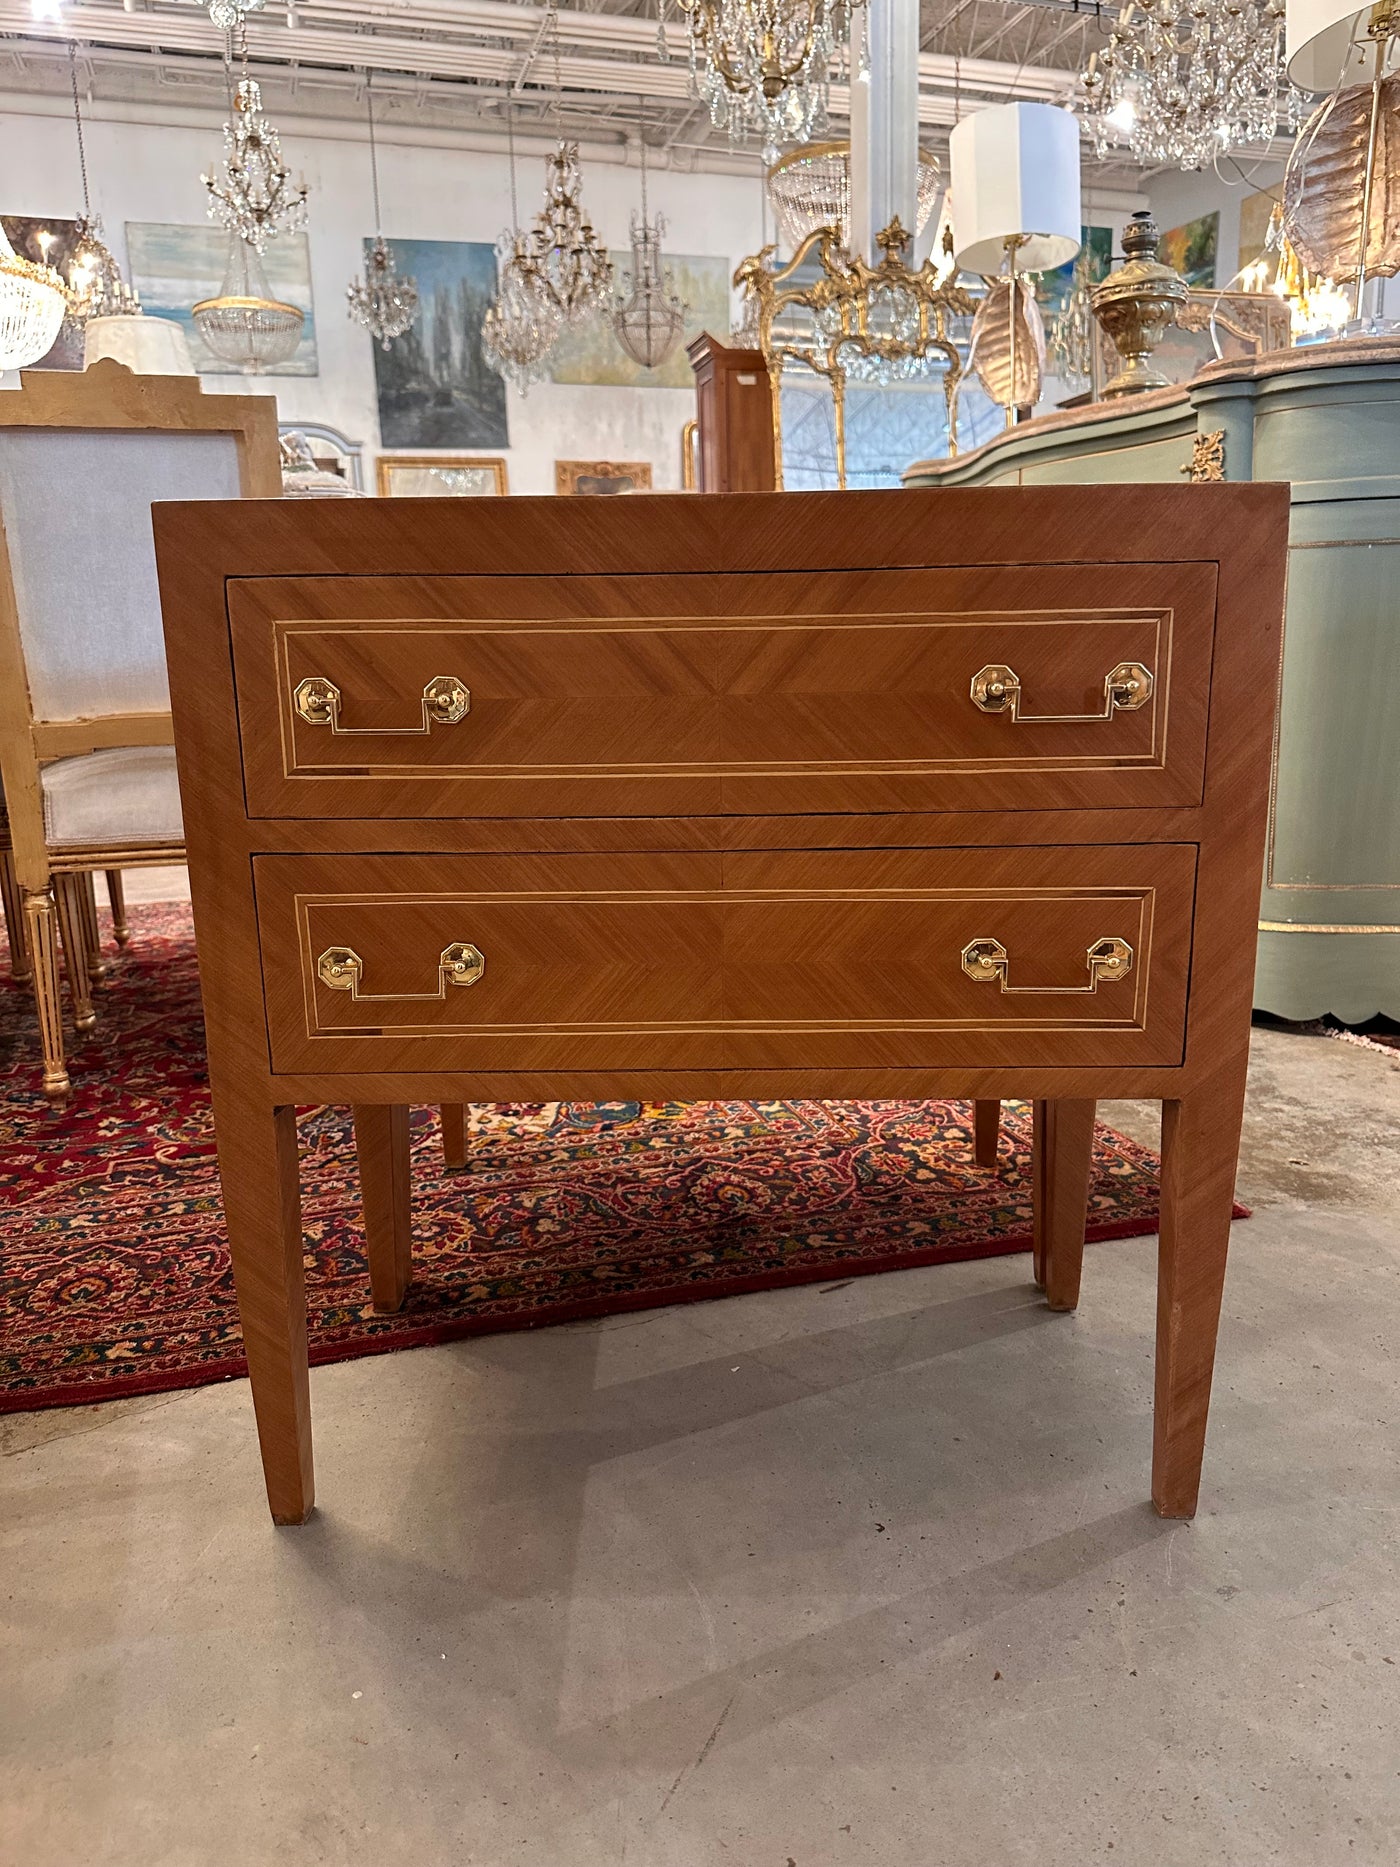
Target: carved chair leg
72	927
116	896
21	971
1200	1147
92	938
41	925
381	1142
262	1209
1064	1147
454	1134
986	1118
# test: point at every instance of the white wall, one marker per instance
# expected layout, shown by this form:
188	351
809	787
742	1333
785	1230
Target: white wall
1177	198
143	170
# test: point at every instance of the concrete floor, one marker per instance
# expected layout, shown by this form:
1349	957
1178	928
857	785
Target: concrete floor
859	1576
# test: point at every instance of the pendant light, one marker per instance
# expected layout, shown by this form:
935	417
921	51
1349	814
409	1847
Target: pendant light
96	288
382	301
648	315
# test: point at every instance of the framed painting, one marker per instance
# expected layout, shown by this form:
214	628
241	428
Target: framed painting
1192	248
440	476
49	242
435	387
589	353
174	267
602	476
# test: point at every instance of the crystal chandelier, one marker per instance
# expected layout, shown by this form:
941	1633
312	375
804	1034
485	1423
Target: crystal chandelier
32	306
810	187
522	322
1182	81
382	301
96	288
245	326
763	64
254	195
648	314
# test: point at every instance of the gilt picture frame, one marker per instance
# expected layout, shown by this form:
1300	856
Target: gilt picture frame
574	478
441	476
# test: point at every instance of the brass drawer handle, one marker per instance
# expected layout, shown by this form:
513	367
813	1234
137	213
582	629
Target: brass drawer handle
341	968
1125	688
445	701
985	960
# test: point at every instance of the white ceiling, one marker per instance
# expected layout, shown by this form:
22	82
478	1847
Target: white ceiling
444	65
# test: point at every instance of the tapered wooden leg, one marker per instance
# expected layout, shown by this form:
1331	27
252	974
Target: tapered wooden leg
116	896
72	927
21	971
1064	1147
41	924
454	1134
1200	1150
381	1142
262	1207
92	939
986	1117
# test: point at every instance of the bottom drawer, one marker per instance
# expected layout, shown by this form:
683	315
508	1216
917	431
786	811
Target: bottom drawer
834	958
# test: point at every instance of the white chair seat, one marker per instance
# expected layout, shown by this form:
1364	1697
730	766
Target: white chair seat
112	800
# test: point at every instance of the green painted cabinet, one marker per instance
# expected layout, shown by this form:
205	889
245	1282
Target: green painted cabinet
1327	420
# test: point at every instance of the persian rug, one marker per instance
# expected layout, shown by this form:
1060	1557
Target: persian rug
114	1273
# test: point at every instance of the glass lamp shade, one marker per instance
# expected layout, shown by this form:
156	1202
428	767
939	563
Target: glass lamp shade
32	307
1015	176
1318	38
245	325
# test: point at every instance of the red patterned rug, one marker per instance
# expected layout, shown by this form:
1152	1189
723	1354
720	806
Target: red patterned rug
115	1279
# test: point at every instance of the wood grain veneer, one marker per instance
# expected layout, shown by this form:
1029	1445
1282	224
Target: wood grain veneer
723	823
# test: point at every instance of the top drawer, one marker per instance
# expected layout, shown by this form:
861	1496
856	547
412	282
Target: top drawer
1036	687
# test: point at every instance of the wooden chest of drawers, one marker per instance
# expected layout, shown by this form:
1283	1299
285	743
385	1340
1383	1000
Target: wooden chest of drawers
828	795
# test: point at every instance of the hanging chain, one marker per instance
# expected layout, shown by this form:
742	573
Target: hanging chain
510	145
373	156
558	81
78	119
642	131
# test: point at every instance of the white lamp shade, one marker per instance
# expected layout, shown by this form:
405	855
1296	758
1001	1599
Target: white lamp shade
1015	170
147	346
1317	37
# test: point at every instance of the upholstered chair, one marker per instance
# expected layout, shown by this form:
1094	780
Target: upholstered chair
86	753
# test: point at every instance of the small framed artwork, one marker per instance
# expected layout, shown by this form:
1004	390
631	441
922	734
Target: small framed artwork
440	476
602	476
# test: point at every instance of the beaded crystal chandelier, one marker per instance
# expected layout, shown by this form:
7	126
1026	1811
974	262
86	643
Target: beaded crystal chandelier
254	195
385	303
763	64
522	322
1182	81
648	315
810	187
32	304
245	326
